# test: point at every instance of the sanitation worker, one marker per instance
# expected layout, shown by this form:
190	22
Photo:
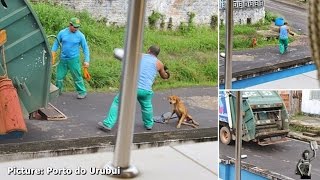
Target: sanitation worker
284	31
71	38
149	67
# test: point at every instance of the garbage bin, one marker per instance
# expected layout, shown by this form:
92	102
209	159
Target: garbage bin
279	21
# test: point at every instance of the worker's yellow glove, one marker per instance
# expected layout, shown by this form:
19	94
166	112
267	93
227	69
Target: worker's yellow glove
86	74
54	57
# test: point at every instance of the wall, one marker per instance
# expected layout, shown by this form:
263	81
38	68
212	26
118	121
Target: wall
115	11
292	100
244	9
309	105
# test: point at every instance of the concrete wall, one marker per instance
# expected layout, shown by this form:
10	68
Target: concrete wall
244	9
115	11
310	106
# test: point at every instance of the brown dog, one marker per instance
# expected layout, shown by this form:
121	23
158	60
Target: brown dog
254	42
181	111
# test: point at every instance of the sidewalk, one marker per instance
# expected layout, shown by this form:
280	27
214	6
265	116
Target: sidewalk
309	128
304	77
265	61
188	162
80	129
261	60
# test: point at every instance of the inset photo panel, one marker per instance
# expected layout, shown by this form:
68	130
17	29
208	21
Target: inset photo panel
269	134
105	89
269	44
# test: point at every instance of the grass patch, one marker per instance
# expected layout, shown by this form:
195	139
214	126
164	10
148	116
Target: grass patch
243	34
191	56
298	128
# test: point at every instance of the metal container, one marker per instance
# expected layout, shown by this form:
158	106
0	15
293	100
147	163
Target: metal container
27	54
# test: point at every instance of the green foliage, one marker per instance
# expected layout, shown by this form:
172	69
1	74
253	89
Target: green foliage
243	34
214	21
191	17
162	23
270	17
188	27
191	58
153	19
170	23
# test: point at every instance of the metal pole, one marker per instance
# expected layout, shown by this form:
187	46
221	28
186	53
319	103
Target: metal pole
128	93
238	135
229	44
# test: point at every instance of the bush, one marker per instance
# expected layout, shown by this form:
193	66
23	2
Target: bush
189	56
270	17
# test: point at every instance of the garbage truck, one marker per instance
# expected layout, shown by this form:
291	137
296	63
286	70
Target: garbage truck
25	67
264	117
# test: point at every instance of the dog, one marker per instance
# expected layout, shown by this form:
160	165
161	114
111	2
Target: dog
254	42
181	111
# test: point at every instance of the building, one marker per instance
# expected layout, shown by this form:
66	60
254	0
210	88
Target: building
311	102
244	12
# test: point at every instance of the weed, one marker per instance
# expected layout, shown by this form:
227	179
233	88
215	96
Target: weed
191	57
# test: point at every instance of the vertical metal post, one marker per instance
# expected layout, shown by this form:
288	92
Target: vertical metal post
238	135
229	45
128	93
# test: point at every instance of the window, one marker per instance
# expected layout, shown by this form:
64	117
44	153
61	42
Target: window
315	95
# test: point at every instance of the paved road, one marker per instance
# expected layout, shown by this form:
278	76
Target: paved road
297	17
80	129
280	158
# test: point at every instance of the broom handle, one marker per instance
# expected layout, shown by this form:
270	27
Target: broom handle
4	64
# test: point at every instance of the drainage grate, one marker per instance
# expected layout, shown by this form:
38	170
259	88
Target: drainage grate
51	113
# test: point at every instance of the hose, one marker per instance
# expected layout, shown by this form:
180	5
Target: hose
57	62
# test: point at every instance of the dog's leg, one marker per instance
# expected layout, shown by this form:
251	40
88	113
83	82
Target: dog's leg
195	122
182	118
190	124
192	120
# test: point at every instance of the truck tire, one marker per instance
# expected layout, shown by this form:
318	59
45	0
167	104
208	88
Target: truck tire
314	31
225	135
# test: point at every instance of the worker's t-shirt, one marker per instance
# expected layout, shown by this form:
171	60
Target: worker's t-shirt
283	32
71	43
148	71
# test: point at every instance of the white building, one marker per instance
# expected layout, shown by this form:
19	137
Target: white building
244	12
311	102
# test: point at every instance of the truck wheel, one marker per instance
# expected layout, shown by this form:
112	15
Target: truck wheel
225	135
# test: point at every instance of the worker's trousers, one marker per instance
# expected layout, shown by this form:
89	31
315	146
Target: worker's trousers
74	66
145	99
283	45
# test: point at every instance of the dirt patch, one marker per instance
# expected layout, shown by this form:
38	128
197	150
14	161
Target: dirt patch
205	102
301	40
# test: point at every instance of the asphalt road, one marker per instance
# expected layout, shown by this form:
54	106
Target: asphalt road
296	17
83	115
281	158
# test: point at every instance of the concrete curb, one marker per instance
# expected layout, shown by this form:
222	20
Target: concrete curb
106	143
301	137
254	169
267	69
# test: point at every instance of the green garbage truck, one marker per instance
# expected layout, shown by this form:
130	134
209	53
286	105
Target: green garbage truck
264	117
25	66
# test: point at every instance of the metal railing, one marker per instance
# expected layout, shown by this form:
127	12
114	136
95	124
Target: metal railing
128	92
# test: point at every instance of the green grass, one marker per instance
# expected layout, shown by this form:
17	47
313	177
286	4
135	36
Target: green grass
243	34
191	56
